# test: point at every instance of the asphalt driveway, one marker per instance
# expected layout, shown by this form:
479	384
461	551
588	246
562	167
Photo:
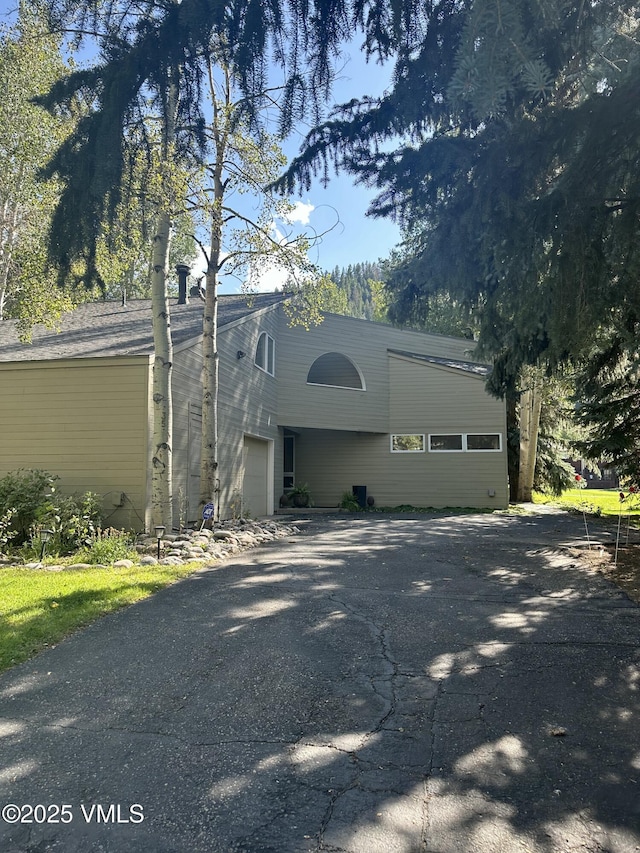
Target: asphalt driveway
374	684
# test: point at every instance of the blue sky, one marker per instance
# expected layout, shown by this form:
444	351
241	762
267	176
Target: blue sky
357	237
343	204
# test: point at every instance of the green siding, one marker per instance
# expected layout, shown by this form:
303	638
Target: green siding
247	405
423	399
84	420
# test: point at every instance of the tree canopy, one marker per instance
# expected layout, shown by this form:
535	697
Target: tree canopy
509	149
30	62
141	43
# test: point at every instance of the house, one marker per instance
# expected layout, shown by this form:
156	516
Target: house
402	414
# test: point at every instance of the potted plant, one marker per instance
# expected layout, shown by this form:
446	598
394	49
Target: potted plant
300	495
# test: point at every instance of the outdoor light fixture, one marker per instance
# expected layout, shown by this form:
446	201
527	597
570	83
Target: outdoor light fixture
45	535
240	354
159	534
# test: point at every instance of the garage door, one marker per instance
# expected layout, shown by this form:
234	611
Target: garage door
256	459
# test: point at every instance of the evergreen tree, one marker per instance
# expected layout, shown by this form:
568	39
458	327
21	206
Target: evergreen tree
518	178
141	41
505	108
357	282
607	400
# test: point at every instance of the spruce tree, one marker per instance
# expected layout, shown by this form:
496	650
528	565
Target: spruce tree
517	177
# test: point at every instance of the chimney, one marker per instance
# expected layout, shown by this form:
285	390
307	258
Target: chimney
183	271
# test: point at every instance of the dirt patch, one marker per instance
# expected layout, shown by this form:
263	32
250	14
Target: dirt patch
622	570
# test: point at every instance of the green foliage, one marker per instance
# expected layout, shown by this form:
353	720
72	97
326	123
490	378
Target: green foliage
607	400
108	546
30	62
503	111
29	501
77	518
6	533
309	299
300	495
142	44
28	494
600	502
552	474
360	284
348	501
241	159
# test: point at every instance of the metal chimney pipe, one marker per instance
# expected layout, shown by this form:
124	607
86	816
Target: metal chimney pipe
183	271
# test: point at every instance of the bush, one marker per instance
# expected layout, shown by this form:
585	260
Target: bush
76	521
349	502
28	495
29	502
107	546
6	534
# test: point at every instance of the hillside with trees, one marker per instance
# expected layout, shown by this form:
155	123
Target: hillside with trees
360	283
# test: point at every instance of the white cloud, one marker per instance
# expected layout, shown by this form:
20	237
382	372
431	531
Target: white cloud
300	213
266	275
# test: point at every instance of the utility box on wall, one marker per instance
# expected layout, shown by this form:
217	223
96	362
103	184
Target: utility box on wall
360	494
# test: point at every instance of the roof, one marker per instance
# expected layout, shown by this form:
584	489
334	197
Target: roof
108	328
464	366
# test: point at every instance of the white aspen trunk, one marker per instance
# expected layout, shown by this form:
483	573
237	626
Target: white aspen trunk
161	453
530	409
209	476
10	229
209	463
161	474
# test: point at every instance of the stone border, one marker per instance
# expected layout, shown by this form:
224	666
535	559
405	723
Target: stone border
190	546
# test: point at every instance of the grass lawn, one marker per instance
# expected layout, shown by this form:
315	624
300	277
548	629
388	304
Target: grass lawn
39	607
604	502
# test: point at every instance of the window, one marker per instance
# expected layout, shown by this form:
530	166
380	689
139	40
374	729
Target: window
445	443
265	354
335	370
482	441
289	450
470	442
408	443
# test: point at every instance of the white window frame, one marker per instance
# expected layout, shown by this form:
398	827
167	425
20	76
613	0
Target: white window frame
497	449
400	435
465	448
363	386
453	450
269	350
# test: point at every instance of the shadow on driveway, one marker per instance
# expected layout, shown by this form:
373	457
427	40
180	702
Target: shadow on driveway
376	684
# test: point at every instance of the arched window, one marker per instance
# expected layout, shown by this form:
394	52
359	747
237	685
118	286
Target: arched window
335	370
265	354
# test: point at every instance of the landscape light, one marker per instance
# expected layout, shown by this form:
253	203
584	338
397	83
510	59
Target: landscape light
159	534
45	536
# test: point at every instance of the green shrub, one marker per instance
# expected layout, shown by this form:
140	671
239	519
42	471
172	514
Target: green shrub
76	521
349	502
108	546
29	502
28	494
6	534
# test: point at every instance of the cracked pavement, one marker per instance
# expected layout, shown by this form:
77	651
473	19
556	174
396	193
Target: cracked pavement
376	684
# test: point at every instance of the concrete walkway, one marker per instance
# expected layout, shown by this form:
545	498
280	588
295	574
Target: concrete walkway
373	685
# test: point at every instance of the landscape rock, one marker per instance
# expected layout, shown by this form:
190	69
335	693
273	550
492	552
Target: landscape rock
171	561
223	534
200	546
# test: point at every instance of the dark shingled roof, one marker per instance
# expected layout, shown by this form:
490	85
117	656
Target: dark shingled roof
107	328
465	366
